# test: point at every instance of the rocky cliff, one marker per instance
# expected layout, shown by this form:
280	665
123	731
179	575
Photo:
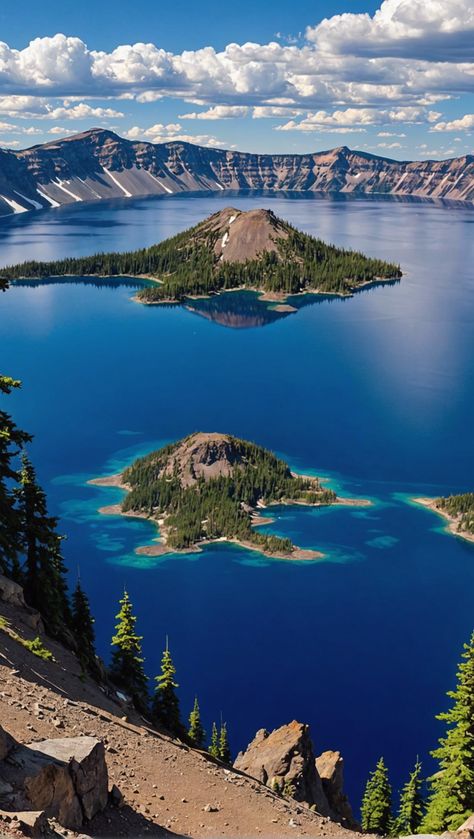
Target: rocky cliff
284	760
98	164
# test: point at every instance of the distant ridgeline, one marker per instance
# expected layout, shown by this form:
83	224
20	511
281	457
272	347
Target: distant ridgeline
207	486
231	249
459	507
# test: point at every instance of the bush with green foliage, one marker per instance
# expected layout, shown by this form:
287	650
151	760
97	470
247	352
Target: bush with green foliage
37	647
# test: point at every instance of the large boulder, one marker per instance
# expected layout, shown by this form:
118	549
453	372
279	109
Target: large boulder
67	778
330	767
285	757
11	592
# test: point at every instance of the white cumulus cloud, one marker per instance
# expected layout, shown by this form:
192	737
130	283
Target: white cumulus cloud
465	123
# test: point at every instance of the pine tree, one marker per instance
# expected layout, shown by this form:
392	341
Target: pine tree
410	811
44	572
224	748
376	809
57	610
11	441
165	702
126	669
196	732
214	744
452	788
83	628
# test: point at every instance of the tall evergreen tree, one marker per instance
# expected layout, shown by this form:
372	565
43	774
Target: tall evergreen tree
44	572
376	809
452	788
82	624
11	441
224	748
410	811
165	702
196	732
126	669
214	744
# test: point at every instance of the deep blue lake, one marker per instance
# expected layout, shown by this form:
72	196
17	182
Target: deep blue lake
375	392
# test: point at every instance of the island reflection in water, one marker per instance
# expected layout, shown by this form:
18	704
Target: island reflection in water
234	309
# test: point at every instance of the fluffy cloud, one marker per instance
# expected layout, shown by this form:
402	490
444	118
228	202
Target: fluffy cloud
465	123
219	112
352	71
328	69
441	30
39	107
358	118
171	132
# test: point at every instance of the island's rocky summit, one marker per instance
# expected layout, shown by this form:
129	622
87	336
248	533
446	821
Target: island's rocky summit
229	250
98	164
210	487
284	760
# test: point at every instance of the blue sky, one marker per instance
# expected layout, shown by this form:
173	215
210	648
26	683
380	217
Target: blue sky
394	77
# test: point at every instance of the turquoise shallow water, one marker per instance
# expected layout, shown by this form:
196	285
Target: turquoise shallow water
374	392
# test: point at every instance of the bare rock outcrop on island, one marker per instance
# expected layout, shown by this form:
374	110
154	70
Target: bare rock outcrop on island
98	164
66	779
330	767
285	759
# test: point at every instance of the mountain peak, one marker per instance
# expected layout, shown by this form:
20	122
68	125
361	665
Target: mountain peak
245	235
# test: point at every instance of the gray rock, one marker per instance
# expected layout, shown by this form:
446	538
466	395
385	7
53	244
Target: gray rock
67	778
12	593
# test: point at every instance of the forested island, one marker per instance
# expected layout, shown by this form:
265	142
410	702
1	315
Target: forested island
210	487
229	250
457	509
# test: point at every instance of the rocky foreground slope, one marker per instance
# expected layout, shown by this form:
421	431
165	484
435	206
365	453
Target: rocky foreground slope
69	740
98	164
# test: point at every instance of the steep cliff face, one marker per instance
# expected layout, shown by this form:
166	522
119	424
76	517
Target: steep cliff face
98	164
284	760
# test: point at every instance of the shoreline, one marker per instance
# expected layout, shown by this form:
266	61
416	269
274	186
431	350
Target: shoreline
264	296
160	547
451	521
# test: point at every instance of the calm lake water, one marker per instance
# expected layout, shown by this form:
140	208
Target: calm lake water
375	392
